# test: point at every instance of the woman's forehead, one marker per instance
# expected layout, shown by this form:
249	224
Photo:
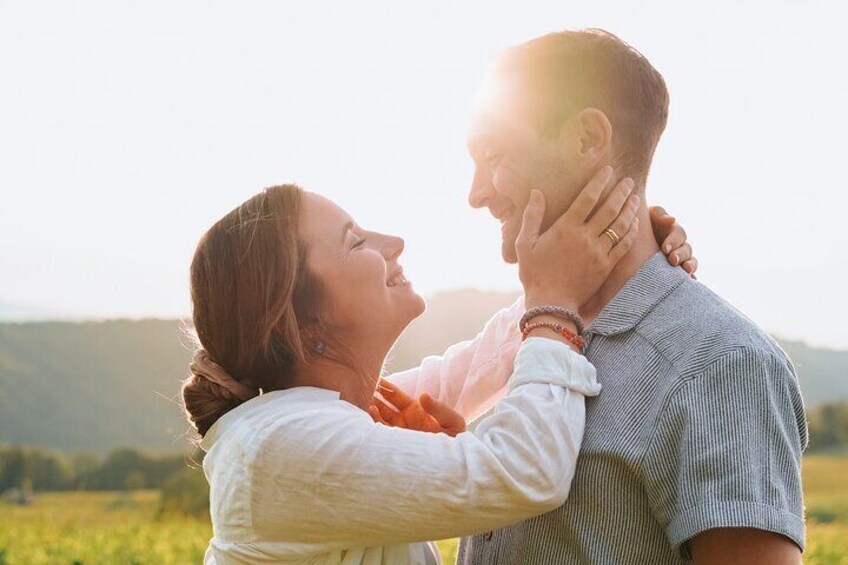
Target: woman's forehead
323	219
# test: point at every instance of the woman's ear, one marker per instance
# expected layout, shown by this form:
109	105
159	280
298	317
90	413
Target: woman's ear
594	136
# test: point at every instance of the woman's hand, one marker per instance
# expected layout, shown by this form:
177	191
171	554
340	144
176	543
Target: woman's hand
566	265
671	237
395	408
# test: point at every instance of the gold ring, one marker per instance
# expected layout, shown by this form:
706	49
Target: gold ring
612	235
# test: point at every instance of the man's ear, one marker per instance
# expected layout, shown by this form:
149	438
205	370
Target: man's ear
594	136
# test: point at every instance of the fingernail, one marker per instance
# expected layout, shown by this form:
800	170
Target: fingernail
675	258
667	247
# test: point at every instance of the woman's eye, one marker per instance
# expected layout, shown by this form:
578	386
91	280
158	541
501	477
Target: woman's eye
359	243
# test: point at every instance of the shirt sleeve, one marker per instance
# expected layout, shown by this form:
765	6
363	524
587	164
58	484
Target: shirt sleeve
727	450
472	375
355	483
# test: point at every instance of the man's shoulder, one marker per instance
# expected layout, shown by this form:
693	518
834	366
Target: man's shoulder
694	328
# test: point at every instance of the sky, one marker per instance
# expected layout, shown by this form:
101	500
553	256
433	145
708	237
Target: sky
128	128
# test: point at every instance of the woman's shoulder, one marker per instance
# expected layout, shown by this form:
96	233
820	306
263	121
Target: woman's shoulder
291	416
295	415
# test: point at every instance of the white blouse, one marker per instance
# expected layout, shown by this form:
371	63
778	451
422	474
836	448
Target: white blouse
301	476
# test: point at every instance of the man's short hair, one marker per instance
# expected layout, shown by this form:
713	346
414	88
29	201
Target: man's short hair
564	72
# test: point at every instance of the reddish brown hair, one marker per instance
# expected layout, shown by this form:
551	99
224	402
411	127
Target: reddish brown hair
564	72
253	301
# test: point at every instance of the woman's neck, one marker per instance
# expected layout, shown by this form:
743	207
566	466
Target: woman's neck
355	384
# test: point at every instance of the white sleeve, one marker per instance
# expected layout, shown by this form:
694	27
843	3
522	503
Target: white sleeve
357	483
472	375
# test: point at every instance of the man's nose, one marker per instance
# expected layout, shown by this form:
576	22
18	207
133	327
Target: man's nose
481	190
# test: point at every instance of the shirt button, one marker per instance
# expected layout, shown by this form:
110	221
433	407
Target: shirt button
487	536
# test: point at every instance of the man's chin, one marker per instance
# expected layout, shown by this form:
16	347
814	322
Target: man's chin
508	252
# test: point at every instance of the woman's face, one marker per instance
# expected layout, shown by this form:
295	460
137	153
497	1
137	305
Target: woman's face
364	294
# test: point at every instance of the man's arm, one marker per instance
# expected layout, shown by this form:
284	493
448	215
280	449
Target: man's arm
723	546
723	469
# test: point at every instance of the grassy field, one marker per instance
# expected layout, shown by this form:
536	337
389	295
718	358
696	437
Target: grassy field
121	528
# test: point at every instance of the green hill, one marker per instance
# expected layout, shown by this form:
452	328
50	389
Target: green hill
98	385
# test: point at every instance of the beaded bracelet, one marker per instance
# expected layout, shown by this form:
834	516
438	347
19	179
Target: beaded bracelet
556	312
558	328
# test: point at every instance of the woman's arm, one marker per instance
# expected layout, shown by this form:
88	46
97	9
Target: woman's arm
367	484
473	374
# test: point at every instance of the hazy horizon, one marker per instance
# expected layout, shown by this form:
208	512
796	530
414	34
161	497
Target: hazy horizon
128	129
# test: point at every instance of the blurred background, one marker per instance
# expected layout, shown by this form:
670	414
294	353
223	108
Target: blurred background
127	129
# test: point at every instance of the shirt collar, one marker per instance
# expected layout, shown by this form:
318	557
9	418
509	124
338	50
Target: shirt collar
252	405
652	283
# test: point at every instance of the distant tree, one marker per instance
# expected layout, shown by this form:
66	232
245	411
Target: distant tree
85	466
50	470
15	468
185	492
828	425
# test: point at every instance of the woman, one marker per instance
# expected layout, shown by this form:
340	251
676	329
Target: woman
300	306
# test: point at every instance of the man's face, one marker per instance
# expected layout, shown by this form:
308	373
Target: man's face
511	158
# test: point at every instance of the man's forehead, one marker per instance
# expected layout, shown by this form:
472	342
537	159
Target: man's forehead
498	111
497	126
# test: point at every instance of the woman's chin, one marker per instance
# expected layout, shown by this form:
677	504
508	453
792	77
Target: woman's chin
420	305
413	306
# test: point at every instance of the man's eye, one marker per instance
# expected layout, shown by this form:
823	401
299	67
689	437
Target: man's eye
493	159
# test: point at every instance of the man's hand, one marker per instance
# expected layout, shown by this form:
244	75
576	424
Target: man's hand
671	237
393	407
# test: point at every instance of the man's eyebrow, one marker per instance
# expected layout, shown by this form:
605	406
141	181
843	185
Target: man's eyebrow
346	227
475	141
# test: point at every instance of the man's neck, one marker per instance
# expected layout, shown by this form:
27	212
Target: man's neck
643	249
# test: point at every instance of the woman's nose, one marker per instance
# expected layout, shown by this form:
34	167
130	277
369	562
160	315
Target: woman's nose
394	247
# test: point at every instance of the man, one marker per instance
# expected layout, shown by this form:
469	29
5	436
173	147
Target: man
693	449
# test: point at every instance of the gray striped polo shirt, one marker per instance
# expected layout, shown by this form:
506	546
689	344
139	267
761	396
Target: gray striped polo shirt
699	425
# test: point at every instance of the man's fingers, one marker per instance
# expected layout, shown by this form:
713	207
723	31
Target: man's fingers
393	394
446	416
375	415
614	205
531	222
389	413
588	198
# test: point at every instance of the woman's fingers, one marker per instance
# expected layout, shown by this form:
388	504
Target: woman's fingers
675	238
661	222
620	249
588	198
691	266
680	255
451	420
393	394
531	223
612	208
621	225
